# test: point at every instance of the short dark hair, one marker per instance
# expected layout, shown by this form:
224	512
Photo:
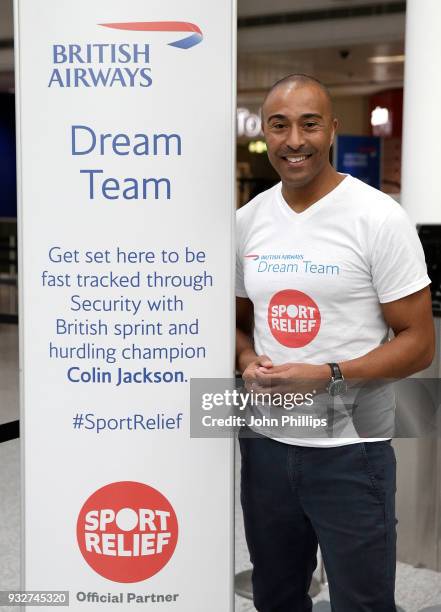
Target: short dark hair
303	79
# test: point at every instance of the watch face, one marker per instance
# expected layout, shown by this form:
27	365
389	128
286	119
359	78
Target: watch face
338	387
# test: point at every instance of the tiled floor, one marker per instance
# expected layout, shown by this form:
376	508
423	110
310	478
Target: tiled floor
416	588
9	517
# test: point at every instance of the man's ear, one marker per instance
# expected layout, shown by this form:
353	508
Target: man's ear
334	129
261	118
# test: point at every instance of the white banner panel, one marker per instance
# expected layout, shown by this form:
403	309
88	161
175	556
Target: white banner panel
125	122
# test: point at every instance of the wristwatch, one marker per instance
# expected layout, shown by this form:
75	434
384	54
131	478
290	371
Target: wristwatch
337	385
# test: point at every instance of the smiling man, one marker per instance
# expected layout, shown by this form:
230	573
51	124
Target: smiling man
351	268
302	158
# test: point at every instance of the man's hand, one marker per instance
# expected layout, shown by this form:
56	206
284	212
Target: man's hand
292	378
261	363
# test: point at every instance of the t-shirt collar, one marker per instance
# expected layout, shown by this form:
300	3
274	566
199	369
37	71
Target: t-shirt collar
314	208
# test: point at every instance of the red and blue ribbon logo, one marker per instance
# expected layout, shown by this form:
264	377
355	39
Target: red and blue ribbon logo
163	26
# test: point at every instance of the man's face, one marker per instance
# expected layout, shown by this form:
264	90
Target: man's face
299	130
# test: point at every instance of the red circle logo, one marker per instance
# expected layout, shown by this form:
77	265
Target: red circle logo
293	318
127	531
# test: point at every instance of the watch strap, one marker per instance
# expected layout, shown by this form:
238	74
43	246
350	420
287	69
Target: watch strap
335	371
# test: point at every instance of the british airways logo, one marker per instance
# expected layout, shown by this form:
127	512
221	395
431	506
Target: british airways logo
116	64
163	26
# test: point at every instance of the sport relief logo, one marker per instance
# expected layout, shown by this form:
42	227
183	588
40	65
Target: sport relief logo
293	318
127	531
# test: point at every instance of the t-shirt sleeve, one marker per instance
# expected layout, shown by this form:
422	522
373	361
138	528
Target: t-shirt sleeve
398	266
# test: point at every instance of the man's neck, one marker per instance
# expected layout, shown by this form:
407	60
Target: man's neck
301	198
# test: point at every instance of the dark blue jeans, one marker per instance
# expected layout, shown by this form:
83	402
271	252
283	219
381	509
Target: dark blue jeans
343	498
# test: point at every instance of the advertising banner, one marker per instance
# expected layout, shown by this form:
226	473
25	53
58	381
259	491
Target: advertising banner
125	118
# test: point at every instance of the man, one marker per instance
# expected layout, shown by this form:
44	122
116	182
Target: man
326	265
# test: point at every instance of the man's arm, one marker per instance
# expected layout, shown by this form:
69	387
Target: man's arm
246	358
410	351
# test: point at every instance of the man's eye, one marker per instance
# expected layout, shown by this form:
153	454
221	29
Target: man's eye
278	126
311	124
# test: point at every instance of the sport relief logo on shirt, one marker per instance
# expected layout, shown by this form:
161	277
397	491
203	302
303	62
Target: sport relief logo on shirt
293	318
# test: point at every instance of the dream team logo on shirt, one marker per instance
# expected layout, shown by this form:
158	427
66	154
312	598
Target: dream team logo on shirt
293	318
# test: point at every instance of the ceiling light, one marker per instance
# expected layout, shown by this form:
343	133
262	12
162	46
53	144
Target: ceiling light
379	116
386	59
257	146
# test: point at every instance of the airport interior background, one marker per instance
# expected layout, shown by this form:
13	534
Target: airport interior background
357	48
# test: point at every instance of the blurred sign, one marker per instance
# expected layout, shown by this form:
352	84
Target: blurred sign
359	156
249	124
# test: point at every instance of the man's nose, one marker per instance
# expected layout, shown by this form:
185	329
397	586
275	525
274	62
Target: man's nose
295	137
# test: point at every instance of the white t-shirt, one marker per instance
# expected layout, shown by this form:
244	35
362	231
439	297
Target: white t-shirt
317	278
